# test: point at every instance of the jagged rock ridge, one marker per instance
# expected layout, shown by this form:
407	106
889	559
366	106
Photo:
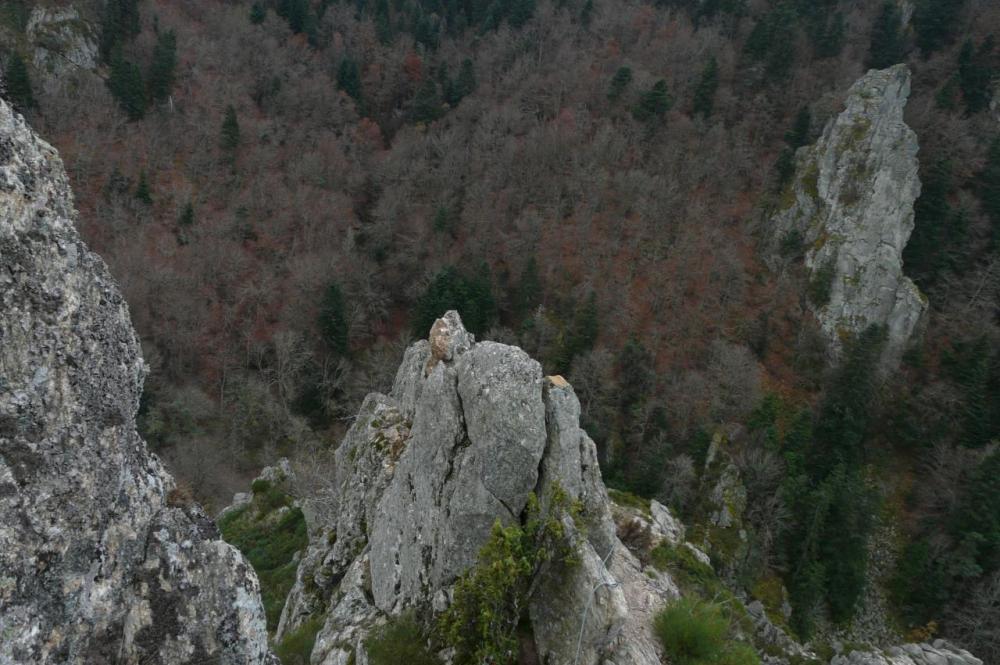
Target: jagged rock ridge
468	432
101	559
850	207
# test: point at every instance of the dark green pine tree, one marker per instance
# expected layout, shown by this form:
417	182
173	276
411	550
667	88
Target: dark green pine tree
229	138
528	294
186	218
976	74
619	82
887	41
989	189
924	253
258	13
480	308
427	103
581	336
143	193
333	324
18	81
934	22
383	22
119	23
799	134
442	220
704	92
446	291
828	35
587	13
521	12
636	375
653	104
126	85
349	78
465	83
297	13
163	66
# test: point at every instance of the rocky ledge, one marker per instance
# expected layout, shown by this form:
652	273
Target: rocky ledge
102	559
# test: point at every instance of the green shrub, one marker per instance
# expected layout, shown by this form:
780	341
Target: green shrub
401	641
491	598
296	647
692	631
821	284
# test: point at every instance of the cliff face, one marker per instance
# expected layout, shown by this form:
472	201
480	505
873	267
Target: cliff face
468	433
101	559
850	207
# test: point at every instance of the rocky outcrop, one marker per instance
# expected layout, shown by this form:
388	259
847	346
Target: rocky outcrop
101	559
468	433
938	653
62	40
850	208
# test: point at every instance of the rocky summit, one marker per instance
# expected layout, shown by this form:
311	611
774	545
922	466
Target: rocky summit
468	434
850	210
102	558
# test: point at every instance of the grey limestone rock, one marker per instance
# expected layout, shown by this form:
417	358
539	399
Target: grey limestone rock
100	560
469	432
850	207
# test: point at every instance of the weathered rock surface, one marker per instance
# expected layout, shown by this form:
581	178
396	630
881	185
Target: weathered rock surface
468	433
62	40
938	653
101	560
851	207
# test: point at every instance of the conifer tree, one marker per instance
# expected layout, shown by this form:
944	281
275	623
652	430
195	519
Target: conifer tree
125	83
383	22
161	70
229	138
186	218
582	334
427	103
521	12
924	253
349	78
798	135
333	323
887	41
934	22
18	83
975	74
989	189
587	13
704	93
465	83
619	82
528	294
258	13
142	190
654	103
119	23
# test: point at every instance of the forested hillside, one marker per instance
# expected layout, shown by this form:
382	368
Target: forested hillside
289	191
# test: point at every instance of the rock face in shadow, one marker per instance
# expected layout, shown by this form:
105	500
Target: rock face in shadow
470	431
101	559
850	209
